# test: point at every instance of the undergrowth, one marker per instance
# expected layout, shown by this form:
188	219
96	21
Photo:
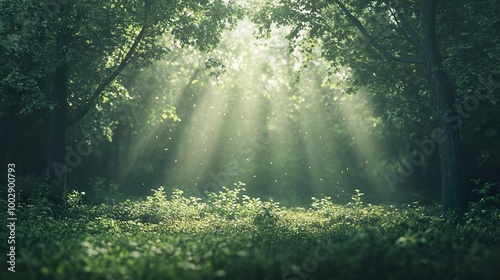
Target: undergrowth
229	235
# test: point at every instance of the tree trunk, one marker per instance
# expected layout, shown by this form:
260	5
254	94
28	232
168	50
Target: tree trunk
56	146
448	135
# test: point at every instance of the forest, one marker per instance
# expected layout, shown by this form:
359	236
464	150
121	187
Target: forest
259	139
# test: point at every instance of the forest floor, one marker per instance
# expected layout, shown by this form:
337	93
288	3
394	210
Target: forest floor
232	236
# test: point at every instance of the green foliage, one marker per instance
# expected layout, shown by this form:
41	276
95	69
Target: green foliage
489	199
486	190
33	197
96	38
356	198
229	235
101	190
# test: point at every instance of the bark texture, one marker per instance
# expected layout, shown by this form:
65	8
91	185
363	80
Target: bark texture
452	174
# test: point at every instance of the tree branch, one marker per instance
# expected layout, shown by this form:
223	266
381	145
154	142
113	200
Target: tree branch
406	25
372	41
102	86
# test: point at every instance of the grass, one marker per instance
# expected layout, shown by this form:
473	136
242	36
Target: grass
231	236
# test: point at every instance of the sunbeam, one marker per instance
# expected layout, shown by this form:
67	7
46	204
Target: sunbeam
259	123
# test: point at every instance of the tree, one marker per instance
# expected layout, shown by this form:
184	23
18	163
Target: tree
448	135
65	55
403	34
